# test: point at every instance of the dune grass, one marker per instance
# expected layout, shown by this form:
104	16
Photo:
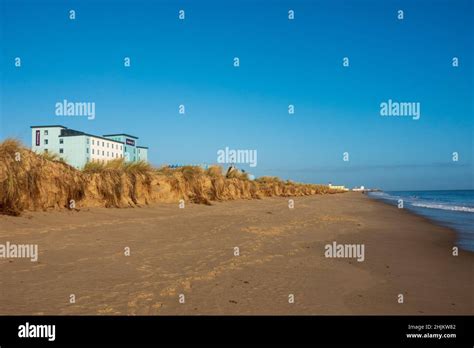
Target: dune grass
24	177
51	156
41	181
113	176
268	179
10	150
140	167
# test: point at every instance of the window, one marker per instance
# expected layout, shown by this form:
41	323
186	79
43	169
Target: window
61	141
102	153
61	150
87	140
46	150
92	151
102	144
92	141
46	141
87	150
45	132
108	145
107	153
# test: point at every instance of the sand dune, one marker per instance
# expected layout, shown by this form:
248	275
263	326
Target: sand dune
29	181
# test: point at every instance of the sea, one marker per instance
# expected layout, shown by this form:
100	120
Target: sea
454	209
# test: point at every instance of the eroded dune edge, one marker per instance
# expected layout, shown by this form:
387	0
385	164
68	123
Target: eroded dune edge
29	181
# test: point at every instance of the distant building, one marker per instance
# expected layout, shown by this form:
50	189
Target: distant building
77	148
359	189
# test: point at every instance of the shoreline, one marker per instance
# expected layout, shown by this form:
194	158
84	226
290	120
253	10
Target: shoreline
412	212
430	219
191	251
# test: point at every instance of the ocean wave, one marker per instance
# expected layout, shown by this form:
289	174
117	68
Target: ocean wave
383	195
379	194
420	202
444	207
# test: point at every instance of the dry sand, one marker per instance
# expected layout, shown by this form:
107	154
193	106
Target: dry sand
191	251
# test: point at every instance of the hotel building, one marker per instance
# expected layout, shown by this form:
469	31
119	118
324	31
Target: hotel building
77	148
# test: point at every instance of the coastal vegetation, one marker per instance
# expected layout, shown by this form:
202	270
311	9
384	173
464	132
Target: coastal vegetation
31	181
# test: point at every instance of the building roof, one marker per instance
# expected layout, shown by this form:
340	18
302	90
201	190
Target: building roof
143	147
74	133
127	135
52	126
67	132
91	135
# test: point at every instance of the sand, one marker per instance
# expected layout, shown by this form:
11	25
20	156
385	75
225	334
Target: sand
191	251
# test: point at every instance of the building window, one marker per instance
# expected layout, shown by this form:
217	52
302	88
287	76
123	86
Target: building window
61	141
45	132
102	144
92	151
87	140
61	150
102	153
92	141
46	141
87	150
46	150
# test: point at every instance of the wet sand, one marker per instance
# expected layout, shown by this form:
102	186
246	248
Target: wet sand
190	251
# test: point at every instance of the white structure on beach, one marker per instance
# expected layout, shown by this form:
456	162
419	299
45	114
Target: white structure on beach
358	189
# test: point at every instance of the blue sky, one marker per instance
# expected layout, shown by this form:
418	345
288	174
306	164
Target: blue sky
283	62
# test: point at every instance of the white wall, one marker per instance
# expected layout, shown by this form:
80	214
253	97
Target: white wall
104	150
52	138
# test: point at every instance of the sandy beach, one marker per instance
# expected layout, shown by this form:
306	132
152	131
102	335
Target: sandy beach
191	251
